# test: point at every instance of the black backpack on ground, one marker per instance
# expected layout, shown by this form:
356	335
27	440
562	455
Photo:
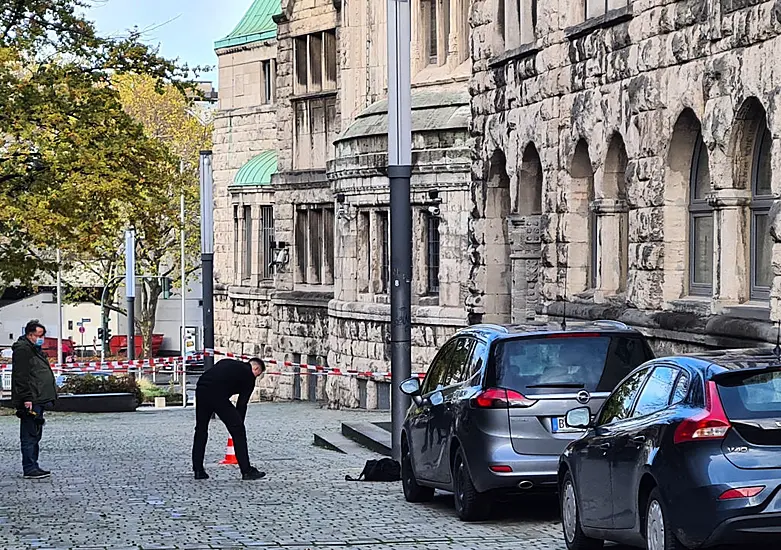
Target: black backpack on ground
385	469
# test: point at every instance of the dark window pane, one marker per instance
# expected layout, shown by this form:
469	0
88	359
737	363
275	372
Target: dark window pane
701	176
315	245
329	42
656	393
328	246
246	264
300	47
438	369
763	251
681	389
702	250
383	234
763	172
432	36
315	62
302	252
595	363
620	403
266	241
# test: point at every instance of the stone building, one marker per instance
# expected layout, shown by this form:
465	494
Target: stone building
631	148
309	153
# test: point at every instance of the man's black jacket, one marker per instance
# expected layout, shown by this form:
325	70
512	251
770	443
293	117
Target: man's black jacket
32	378
227	378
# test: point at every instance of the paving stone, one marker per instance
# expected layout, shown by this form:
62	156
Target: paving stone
123	481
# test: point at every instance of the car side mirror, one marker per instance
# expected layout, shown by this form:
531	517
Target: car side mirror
411	387
579	418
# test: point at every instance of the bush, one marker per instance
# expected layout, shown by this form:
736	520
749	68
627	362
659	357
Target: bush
151	390
80	385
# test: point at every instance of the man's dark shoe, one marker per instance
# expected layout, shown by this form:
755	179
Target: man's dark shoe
47	472
37	474
253	474
201	474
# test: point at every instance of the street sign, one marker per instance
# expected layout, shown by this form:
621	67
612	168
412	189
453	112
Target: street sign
85	321
82	330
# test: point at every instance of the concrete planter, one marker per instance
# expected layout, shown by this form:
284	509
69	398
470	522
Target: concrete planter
96	403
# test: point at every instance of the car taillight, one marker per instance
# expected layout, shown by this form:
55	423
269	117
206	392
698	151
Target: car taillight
712	423
499	398
741	492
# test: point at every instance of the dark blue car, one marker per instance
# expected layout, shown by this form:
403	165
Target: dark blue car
685	453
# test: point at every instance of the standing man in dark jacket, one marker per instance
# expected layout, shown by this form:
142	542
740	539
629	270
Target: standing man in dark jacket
33	389
212	396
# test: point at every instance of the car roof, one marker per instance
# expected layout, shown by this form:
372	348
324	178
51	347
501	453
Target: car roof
491	332
716	362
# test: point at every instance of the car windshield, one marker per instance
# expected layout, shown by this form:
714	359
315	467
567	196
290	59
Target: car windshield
564	362
748	396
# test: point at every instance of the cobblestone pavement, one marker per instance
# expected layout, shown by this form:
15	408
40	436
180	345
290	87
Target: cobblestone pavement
124	481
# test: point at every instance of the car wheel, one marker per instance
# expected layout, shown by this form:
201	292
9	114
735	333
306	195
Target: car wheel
470	505
570	519
658	531
412	491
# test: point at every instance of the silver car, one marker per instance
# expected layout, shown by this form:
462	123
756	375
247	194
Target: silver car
489	417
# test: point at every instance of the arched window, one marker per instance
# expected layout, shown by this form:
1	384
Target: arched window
700	223
761	201
583	250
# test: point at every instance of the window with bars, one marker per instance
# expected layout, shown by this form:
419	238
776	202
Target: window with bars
365	264
432	254
266	242
246	259
383	241
268	69
314	240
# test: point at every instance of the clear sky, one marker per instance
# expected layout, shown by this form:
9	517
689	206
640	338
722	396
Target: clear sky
184	29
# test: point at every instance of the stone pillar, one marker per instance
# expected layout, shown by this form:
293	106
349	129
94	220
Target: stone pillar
611	246
525	254
730	251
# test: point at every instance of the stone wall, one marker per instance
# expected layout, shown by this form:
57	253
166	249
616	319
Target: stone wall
609	104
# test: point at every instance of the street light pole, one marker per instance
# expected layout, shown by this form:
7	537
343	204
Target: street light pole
182	267
60	360
207	256
130	288
399	175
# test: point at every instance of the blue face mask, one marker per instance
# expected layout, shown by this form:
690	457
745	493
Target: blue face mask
39	342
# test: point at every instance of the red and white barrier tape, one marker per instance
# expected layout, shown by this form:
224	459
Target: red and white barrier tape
141	365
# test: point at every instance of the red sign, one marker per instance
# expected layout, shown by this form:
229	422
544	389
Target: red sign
82	330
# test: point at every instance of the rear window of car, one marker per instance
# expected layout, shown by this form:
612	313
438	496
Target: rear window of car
590	362
747	396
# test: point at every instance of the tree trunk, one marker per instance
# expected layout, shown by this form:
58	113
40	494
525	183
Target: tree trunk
151	291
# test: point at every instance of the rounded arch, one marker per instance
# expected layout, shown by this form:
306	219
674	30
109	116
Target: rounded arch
496	253
750	126
614	177
582	247
686	133
530	180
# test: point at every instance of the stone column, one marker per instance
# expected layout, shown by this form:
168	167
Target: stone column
730	251
611	242
525	254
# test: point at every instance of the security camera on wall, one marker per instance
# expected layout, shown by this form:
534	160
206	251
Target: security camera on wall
434	211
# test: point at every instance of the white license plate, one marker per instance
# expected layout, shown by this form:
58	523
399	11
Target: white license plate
559	425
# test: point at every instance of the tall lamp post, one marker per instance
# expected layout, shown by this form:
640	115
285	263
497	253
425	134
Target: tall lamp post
207	256
130	289
399	175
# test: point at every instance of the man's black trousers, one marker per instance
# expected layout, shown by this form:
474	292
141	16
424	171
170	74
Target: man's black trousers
224	409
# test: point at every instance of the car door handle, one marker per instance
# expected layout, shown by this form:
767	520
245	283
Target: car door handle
605	446
638	439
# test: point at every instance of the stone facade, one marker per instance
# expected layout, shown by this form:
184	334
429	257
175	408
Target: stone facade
328	300
623	155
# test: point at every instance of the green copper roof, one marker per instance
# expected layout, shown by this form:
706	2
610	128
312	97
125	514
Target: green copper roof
258	170
256	25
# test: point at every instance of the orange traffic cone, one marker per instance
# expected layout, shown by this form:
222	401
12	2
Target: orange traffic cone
230	454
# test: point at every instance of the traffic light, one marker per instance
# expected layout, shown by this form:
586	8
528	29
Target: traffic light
100	333
167	281
107	333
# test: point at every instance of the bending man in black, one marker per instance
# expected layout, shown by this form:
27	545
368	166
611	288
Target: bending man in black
212	396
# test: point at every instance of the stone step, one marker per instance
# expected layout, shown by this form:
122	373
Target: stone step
369	435
337	442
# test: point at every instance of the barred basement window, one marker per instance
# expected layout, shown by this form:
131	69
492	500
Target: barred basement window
266	236
246	263
432	254
314	237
